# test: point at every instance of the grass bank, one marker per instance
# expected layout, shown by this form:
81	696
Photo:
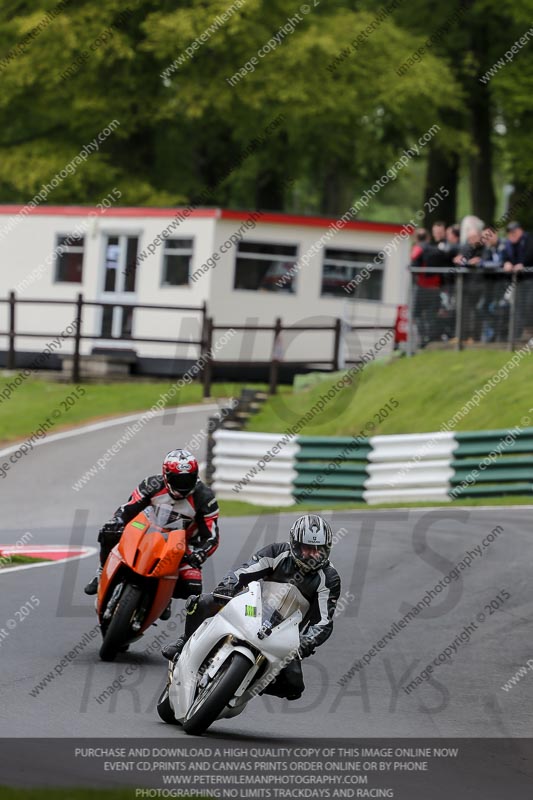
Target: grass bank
422	393
36	400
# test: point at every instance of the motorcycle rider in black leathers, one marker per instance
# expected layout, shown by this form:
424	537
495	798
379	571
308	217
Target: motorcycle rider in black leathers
180	487
302	561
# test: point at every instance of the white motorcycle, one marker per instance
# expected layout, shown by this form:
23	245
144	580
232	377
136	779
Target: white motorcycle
233	656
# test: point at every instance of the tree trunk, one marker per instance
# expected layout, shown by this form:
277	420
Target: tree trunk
520	206
442	173
482	193
336	193
270	192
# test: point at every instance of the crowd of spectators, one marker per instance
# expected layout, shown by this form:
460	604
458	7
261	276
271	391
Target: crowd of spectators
487	263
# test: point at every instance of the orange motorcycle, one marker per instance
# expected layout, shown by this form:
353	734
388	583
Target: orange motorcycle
138	577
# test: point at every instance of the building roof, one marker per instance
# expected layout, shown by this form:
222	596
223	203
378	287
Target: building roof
217	213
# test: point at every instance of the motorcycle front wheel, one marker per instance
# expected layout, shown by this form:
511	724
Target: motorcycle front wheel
211	701
164	709
118	632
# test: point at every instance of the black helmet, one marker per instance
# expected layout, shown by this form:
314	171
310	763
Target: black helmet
310	542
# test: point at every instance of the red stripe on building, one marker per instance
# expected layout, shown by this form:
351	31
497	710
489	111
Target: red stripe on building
210	213
314	222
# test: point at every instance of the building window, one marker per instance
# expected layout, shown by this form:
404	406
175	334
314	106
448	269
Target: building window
343	276
177	257
266	267
69	259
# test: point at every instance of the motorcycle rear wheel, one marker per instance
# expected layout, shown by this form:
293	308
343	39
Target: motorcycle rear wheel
212	700
118	631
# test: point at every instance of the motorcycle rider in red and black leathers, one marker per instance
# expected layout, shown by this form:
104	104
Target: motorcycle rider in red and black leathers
180	487
302	561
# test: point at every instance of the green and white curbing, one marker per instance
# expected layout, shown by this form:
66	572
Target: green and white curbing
277	470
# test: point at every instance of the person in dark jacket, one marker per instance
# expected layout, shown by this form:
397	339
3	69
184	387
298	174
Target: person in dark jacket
518	252
518	257
302	561
493	253
469	257
180	487
495	306
426	254
453	240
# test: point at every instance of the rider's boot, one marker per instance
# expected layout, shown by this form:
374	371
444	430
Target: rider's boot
173	651
92	586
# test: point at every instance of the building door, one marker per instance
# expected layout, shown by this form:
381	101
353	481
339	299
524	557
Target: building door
118	286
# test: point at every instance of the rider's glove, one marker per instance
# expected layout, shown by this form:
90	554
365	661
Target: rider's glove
225	589
191	604
195	559
307	647
115	526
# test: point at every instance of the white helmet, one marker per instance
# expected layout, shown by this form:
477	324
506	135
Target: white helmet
315	534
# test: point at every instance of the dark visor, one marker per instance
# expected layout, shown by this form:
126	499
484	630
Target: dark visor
182	483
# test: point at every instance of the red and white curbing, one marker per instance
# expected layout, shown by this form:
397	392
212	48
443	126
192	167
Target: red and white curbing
54	553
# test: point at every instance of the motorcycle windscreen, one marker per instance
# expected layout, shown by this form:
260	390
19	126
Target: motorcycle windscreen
164	516
279	601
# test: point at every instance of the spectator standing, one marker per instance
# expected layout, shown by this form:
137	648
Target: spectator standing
518	251
470	257
438	233
495	307
518	256
427	288
494	249
453	240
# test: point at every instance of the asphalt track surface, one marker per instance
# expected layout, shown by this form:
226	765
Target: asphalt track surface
387	560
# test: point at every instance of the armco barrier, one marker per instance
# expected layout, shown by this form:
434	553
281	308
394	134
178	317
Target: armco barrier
383	469
242	471
409	467
331	469
492	463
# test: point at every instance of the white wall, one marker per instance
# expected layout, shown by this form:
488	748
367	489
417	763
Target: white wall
25	248
305	306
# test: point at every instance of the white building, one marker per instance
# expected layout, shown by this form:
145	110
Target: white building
247	267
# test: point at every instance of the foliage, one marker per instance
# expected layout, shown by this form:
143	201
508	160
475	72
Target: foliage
345	119
26	410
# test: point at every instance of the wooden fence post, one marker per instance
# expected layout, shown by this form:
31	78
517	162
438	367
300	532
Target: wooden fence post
203	328
11	350
207	372
511	333
76	372
276	353
337	344
459	310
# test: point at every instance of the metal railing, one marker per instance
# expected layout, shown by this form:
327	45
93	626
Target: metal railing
460	308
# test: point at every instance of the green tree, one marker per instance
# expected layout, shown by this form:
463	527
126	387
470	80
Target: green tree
342	126
470	36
